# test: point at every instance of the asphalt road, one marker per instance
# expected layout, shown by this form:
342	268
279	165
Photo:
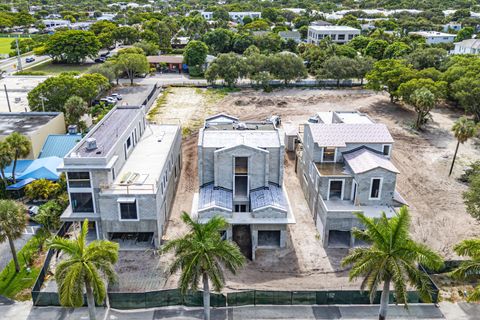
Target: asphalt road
10	65
6	254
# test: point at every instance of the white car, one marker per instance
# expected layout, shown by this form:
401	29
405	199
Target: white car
117	96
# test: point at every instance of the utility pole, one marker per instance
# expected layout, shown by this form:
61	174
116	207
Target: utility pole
19	66
8	100
43	103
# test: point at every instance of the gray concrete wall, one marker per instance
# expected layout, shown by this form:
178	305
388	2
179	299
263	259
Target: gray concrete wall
210	213
269	212
256	227
387	191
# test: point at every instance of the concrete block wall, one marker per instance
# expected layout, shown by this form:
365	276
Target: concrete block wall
258	227
210	213
269	212
387	191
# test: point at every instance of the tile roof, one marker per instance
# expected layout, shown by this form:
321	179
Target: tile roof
469	43
58	145
364	159
339	134
268	197
211	197
230	138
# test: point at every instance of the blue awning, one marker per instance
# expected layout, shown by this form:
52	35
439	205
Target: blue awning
19	185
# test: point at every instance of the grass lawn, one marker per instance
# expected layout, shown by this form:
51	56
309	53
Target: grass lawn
17	285
49	68
5	45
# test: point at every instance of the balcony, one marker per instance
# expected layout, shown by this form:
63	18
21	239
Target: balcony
331	169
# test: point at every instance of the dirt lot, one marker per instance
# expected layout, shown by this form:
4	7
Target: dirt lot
439	217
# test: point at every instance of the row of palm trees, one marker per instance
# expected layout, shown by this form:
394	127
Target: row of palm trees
391	261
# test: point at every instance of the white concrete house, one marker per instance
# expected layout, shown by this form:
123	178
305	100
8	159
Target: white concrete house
240	172
468	46
433	37
122	177
338	34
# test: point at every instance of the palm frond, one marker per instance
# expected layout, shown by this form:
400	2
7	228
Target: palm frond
469	247
70	280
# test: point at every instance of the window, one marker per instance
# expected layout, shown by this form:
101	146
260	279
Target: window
240	208
328	154
386	150
350	36
333	36
335	191
375	188
341	37
128	210
269	238
129	142
82	202
79	179
241	165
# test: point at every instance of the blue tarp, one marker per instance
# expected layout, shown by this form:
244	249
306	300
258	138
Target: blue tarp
19	185
44	168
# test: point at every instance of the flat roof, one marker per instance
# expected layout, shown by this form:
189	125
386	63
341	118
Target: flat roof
24	122
165	58
106	132
147	160
332	28
432	34
329	117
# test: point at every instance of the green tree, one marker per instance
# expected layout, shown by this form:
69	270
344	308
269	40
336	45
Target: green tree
471	197
105	69
72	46
126	35
338	68
463	129
362	66
21	147
133	64
84	270
202	255
388	75
465	33
287	66
427	58
13	221
466	91
149	48
397	50
6	157
469	269
195	53
42	189
49	213
218	40
75	108
423	101
392	258
376	49
227	66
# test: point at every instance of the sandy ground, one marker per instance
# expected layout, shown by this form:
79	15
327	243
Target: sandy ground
439	216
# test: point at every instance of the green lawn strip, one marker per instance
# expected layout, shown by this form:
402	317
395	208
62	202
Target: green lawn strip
56	68
13	285
5	44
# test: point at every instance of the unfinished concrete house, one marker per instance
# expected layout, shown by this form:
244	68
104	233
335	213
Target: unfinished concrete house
122	176
240	171
344	168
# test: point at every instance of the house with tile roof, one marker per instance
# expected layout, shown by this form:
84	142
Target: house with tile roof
345	167
240	171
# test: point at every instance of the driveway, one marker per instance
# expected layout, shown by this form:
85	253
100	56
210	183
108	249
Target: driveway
6	254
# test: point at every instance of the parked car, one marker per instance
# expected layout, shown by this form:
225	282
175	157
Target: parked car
117	96
29	59
108	101
33	210
100	60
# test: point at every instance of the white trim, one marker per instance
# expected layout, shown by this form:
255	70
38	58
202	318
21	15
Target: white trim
334	157
343	187
93	200
389	150
120	213
77	188
379	189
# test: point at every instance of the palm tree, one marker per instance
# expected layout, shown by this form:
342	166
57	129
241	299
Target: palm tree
202	255
21	147
13	221
469	268
463	129
392	258
84	270
6	157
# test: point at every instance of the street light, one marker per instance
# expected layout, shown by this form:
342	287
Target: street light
42	98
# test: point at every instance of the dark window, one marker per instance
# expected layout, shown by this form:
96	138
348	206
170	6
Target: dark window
129	142
336	189
375	191
241	165
269	238
386	150
240	208
341	37
328	154
82	202
350	36
79	179
128	211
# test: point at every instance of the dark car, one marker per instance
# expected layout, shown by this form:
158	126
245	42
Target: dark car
100	60
29	59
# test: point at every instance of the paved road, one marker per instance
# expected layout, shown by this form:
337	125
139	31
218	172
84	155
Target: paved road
450	311
10	65
6	254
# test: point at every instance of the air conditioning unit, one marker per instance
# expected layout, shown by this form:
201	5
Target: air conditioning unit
91	143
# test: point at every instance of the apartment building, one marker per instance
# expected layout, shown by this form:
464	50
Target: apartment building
240	171
433	37
344	168
338	34
122	177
